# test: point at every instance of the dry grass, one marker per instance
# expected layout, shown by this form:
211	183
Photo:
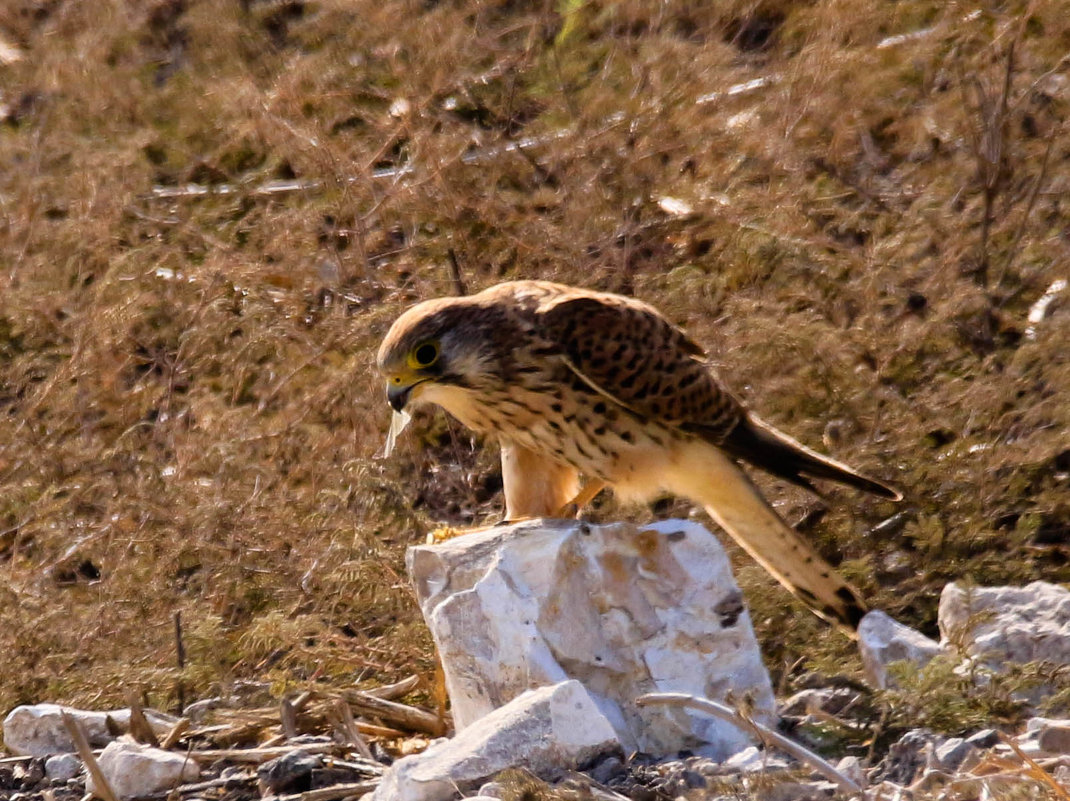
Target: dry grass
188	409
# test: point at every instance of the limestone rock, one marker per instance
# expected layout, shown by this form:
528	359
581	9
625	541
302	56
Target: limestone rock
624	610
38	729
546	731
134	770
883	640
1016	624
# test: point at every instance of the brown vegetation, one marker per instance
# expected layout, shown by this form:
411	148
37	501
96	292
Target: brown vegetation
189	414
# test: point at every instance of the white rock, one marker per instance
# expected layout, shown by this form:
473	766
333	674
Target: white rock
749	759
546	731
951	753
1016	624
624	610
133	770
852	768
818	699
883	640
38	730
62	767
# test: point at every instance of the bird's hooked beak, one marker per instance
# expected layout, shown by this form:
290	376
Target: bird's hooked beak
399	390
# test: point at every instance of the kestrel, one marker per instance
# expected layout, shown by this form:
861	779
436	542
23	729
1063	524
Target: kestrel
575	382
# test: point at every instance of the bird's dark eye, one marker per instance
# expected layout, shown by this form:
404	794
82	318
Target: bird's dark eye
425	354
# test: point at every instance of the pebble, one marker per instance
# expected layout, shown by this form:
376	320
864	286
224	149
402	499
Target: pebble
951	753
906	757
986	738
1054	739
62	767
608	769
494	790
289	773
851	767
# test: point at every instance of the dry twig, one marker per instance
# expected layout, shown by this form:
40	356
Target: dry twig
328	793
764	733
103	789
399	689
1035	771
406	717
140	729
177	731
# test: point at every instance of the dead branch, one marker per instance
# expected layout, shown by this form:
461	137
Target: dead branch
85	753
406	717
764	733
399	689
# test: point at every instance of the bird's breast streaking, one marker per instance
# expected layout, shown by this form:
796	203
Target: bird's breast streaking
575	382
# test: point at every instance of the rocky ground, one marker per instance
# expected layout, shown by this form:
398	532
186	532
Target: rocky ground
212	210
566	739
920	764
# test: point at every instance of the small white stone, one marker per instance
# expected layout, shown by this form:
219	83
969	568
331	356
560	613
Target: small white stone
62	767
851	767
749	759
492	790
545	731
883	640
133	770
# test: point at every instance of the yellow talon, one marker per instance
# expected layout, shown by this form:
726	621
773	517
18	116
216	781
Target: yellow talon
440	535
583	497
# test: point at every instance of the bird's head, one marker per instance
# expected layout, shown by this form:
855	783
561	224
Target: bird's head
433	349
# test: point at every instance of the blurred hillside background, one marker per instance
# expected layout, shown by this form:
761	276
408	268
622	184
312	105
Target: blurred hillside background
211	211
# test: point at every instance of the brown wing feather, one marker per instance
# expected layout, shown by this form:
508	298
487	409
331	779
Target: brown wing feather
627	351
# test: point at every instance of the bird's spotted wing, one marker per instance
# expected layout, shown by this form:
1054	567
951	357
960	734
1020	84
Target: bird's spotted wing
629	353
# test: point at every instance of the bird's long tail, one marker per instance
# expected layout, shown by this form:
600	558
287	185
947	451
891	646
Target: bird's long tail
712	479
755	441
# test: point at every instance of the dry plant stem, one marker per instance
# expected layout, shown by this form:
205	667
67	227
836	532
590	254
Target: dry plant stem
198	787
256	755
1035	771
288	718
173	736
140	729
1033	194
407	717
990	156
764	733
399	689
366	765
456	279
328	793
180	658
86	754
353	735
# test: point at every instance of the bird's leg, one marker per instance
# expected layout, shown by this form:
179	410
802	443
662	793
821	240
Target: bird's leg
534	485
583	497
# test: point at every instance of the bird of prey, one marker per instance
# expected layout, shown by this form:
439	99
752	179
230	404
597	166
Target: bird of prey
576	383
